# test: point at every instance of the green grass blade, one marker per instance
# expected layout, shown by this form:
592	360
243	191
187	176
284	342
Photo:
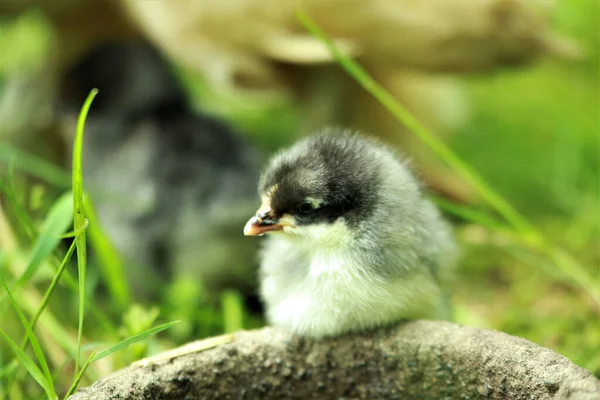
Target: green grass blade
72	234
410	121
69	280
57	331
233	312
53	284
56	223
79	218
71	283
65	179
35	166
79	376
39	354
133	339
469	214
33	369
531	235
9	189
109	260
10	367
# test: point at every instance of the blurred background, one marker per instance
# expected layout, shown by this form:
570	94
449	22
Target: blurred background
193	98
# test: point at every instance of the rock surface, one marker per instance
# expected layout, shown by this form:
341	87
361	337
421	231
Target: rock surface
421	359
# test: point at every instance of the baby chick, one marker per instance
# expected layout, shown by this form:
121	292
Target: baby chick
352	242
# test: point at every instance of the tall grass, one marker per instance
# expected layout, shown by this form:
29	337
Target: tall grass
79	218
69	206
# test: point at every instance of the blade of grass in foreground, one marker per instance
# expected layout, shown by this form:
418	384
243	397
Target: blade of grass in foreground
53	284
54	226
72	234
79	376
68	280
28	363
114	348
32	338
79	218
110	262
8	188
533	237
133	339
469	214
56	331
13	364
35	166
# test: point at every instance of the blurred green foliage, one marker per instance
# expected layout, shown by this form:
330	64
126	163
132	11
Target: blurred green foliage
24	43
534	135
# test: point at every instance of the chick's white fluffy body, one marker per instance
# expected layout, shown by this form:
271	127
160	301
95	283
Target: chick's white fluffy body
328	278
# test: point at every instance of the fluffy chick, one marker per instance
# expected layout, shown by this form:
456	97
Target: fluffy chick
352	242
171	185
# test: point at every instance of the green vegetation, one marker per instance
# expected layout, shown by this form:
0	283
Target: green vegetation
531	263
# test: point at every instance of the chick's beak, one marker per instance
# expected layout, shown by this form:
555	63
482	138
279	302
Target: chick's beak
264	221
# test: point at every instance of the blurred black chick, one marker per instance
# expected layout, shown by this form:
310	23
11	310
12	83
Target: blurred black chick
171	186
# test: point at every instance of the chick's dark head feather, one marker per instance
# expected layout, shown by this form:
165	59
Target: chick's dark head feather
321	179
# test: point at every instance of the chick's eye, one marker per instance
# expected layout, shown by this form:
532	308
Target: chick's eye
304	208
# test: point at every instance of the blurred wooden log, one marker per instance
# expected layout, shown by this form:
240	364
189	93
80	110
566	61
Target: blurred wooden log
252	45
259	45
226	40
421	359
